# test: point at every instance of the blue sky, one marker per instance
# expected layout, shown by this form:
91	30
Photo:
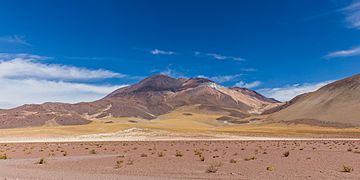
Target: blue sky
81	50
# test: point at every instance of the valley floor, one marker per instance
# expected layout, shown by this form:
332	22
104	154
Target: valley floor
179	146
201	159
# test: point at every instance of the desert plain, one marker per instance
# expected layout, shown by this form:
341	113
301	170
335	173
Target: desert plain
191	147
182	159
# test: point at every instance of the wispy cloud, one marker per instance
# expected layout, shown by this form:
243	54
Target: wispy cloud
288	92
15	39
171	72
11	56
26	79
161	52
25	68
222	57
218	56
344	53
249	85
353	14
90	58
222	79
249	69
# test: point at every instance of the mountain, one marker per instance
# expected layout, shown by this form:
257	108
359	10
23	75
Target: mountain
151	97
336	104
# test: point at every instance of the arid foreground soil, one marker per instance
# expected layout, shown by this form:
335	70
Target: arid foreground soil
182	160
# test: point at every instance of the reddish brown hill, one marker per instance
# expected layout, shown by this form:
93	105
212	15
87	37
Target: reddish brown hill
151	97
336	104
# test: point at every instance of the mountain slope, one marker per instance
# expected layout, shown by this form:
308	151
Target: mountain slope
160	94
151	97
336	104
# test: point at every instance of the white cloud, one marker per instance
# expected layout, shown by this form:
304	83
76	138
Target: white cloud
29	68
10	56
171	73
26	79
15	39
288	92
249	69
353	14
248	85
161	52
28	91
222	57
218	56
344	53
222	79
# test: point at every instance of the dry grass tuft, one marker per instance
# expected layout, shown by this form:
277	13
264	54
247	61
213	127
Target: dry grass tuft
286	154
232	161
213	167
250	158
160	154
118	164
143	155
202	158
178	154
41	161
4	157
347	168
269	168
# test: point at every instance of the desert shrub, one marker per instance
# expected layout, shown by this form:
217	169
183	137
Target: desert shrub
4	157
143	155
118	164
269	168
347	168
213	167
250	158
178	154
202	158
41	161
160	154
286	154
93	151
232	161
198	153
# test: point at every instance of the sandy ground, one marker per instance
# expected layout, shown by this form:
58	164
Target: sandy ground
307	159
141	134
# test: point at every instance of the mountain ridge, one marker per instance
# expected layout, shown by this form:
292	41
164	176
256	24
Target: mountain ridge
335	104
147	99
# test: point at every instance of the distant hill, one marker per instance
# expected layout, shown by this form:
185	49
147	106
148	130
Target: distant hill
336	104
